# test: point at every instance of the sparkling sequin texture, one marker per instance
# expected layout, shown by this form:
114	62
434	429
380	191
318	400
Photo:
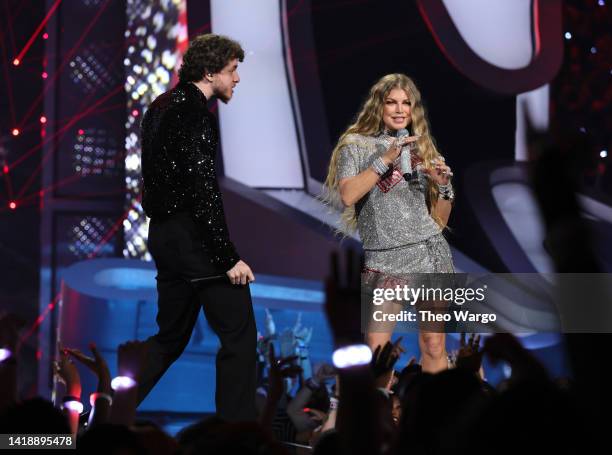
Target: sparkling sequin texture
179	144
398	234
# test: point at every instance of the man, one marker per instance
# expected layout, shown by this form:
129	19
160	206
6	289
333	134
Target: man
188	236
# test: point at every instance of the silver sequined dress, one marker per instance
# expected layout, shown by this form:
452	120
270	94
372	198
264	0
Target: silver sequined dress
398	234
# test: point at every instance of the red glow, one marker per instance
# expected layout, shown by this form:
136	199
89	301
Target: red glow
12	205
43	119
135	113
43	132
15	132
45	35
5	169
38	354
16	62
45	75
81	132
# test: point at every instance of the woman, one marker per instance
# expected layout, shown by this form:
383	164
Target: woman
399	219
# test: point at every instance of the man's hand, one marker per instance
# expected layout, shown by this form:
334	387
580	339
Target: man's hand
241	273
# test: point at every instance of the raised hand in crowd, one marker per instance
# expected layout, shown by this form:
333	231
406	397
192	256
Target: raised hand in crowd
303	420
342	299
280	369
358	423
131	357
506	347
66	373
324	373
469	354
10	325
101	400
384	359
96	364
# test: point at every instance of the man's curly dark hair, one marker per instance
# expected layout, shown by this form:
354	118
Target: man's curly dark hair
208	53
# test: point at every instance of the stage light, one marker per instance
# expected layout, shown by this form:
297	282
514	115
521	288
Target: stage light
16	62
81	132
95	154
593	50
603	153
87	234
5	169
89	70
568	35
43	119
45	75
15	132
12	205
45	36
149	63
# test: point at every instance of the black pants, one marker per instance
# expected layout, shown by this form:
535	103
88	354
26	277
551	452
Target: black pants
175	246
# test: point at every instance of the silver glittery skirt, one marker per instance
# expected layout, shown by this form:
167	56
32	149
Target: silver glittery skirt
431	255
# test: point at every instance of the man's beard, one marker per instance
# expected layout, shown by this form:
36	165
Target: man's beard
221	96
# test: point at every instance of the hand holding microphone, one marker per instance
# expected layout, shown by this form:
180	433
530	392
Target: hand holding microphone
398	145
408	162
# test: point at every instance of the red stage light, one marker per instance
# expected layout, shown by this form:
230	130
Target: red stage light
43	119
12	205
45	35
16	62
15	132
5	169
135	113
45	75
81	132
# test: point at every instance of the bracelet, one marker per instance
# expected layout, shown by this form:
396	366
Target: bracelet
7	357
379	166
104	396
446	192
72	403
122	383
333	403
352	356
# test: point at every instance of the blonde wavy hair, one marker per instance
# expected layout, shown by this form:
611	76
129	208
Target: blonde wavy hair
369	123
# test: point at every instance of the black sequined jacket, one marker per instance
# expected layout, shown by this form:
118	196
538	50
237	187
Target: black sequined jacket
179	138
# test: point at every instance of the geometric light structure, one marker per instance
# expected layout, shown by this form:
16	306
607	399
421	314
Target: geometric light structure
95	153
156	32
88	236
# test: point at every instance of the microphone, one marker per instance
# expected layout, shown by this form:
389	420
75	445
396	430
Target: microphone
405	156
